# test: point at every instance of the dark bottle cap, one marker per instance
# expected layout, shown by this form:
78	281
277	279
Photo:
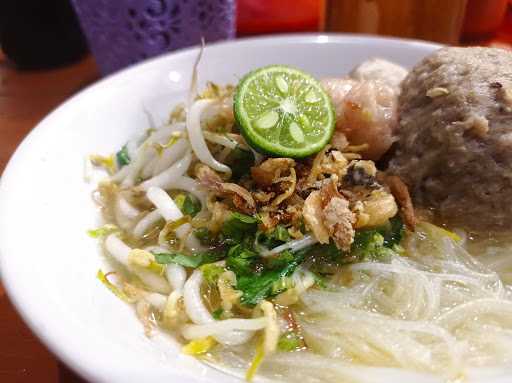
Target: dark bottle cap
37	34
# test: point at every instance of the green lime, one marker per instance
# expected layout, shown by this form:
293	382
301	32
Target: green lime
283	111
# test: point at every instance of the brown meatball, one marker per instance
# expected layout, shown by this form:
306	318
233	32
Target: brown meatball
455	136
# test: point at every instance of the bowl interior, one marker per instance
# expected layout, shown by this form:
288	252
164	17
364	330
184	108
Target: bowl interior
49	263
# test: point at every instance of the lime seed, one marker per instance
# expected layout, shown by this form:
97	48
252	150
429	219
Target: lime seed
312	97
268	120
296	132
304	121
282	85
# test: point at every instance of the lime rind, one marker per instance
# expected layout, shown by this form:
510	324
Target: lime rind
283	111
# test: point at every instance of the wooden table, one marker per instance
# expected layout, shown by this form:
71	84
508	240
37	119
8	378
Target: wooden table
25	98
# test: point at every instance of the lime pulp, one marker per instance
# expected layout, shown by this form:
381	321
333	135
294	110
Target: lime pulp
282	111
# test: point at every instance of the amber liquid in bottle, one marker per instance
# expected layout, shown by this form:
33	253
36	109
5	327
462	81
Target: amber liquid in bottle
434	20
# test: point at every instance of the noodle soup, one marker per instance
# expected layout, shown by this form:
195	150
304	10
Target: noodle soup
314	268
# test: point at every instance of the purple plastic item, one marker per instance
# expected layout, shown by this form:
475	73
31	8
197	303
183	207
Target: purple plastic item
122	32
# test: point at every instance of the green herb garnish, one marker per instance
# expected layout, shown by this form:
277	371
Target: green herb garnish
211	272
122	157
103	231
188	204
192	261
369	245
238	225
204	235
240	161
393	232
217	314
241	260
256	287
280	233
290	341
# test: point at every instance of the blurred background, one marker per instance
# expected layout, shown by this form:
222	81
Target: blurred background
52	33
50	49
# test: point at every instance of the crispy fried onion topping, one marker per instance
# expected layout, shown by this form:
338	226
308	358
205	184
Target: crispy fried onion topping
316	169
271	170
313	216
328	215
291	183
376	209
327	162
241	197
278	172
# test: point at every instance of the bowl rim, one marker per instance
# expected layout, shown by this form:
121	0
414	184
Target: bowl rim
20	298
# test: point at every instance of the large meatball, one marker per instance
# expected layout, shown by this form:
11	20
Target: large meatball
455	136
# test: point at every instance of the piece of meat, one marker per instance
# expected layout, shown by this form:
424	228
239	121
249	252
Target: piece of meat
329	191
401	193
339	141
337	89
454	149
377	69
376	209
338	218
365	113
339	221
370	117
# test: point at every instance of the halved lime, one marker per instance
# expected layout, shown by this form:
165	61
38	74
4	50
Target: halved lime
283	112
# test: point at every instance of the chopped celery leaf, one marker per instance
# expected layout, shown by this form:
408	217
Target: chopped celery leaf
369	245
281	260
188	204
192	261
241	260
274	238
393	232
281	233
238	225
103	231
122	157
256	287
211	272
240	161
206	237
290	341
217	314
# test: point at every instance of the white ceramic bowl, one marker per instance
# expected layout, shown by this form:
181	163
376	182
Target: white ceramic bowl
49	264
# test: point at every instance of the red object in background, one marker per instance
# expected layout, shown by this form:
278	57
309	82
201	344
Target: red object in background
479	31
271	16
483	18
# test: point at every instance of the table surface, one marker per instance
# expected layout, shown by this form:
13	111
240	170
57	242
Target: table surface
25	98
